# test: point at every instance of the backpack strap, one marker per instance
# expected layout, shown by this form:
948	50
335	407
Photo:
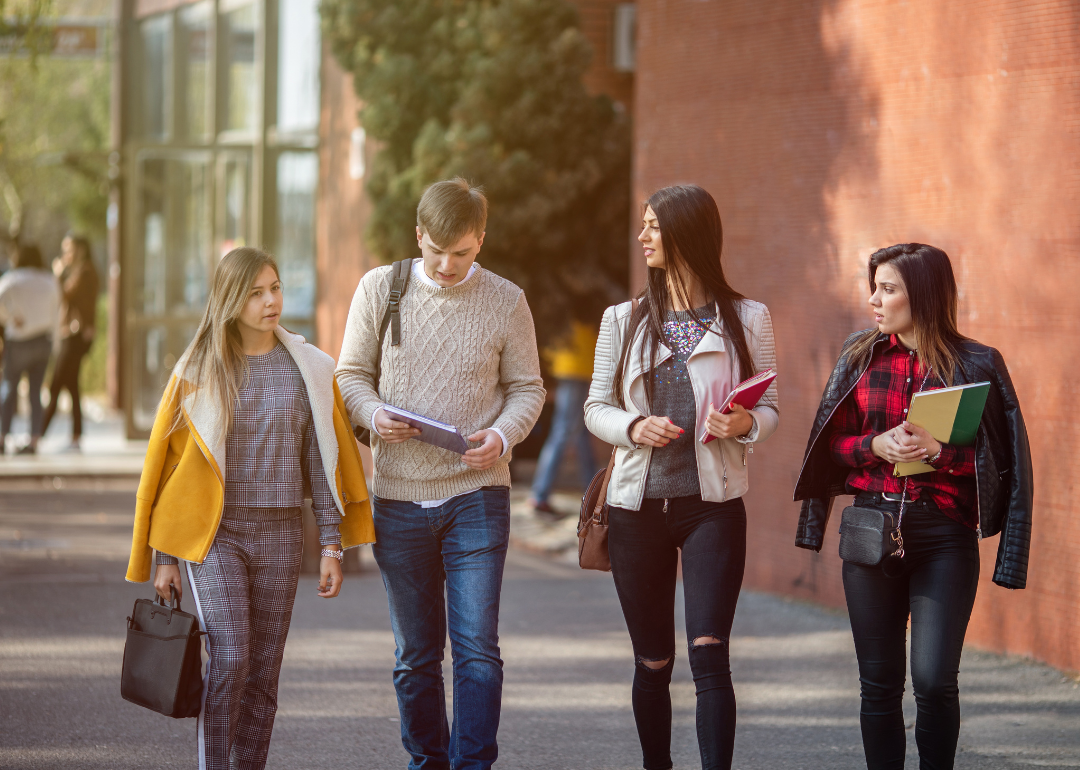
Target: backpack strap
399	282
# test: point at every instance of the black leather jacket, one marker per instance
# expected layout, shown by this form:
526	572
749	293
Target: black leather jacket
1003	476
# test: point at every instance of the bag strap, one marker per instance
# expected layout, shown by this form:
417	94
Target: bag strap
399	282
601	499
899	537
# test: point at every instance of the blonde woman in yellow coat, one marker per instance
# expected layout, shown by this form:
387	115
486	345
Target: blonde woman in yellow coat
250	423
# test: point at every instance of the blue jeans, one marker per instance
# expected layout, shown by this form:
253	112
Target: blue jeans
459	547
567	424
30	356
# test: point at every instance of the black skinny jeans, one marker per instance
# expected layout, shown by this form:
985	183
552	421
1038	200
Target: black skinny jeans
936	583
644	548
66	376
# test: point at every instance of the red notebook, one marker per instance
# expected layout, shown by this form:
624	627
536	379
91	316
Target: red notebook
747	393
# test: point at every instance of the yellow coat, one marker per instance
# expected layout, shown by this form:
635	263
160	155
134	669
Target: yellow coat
182	490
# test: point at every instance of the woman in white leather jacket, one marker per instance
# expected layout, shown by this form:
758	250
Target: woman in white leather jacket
660	375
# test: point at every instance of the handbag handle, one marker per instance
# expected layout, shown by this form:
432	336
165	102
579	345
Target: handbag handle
174	600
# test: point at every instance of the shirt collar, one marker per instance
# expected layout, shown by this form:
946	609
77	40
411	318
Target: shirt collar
894	342
422	276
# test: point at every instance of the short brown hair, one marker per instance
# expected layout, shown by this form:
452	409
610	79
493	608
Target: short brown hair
450	210
28	256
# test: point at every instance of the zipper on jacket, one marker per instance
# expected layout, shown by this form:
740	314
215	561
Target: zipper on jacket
827	419
665	504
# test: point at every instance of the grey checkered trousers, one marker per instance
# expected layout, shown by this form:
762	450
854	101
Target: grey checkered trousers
245	588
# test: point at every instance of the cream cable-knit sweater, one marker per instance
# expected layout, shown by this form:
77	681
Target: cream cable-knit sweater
467	357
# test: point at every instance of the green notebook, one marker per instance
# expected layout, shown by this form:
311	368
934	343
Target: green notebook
952	415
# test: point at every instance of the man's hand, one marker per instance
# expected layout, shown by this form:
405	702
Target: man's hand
889	448
330	577
485	455
392	431
655	431
168	575
737	422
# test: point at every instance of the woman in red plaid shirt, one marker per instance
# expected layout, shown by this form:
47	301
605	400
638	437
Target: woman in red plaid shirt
860	433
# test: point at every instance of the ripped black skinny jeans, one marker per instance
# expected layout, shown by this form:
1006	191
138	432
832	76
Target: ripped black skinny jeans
644	547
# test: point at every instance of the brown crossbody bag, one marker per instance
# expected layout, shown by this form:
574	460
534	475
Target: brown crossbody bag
592	530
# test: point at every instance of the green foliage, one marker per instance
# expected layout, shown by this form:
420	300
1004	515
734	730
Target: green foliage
92	373
54	140
492	90
21	27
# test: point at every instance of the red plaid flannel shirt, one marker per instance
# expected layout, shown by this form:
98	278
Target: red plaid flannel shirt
879	403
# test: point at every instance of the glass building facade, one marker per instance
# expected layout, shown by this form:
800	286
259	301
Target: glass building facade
221	105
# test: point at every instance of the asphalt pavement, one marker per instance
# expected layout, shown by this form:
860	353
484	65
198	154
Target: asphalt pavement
63	604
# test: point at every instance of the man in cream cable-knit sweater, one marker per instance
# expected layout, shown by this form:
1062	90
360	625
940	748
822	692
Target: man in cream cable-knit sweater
467	357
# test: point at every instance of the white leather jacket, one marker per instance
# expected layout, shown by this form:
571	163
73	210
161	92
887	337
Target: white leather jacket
721	464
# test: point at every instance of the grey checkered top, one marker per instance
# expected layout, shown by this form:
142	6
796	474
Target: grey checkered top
271	453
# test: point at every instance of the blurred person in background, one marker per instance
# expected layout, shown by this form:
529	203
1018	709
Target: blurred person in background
29	303
571	365
79	286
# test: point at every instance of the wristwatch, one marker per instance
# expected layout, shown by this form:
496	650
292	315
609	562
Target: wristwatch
339	555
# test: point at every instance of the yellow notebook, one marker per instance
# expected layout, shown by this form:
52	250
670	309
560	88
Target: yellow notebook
951	415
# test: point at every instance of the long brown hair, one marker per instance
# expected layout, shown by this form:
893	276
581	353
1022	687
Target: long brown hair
214	363
693	239
931	289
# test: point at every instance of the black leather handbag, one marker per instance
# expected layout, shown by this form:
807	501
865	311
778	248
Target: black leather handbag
868	536
163	659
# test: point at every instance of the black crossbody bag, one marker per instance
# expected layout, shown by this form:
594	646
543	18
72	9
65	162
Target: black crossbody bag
399	282
868	536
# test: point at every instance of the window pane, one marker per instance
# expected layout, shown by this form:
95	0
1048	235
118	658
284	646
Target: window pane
297	176
175	238
156	53
155	351
242	102
298	65
234	202
195	47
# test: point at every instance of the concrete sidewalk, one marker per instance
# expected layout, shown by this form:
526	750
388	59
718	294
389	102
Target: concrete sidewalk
106	458
566	697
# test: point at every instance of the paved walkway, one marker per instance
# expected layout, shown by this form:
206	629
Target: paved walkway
568	667
106	456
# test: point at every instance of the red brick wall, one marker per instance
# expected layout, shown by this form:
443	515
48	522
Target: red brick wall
597	17
826	130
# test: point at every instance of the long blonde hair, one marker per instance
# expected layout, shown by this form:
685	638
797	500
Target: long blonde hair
214	363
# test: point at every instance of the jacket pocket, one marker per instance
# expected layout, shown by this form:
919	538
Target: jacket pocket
165	476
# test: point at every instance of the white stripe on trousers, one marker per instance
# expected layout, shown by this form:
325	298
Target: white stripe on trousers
206	674
244	592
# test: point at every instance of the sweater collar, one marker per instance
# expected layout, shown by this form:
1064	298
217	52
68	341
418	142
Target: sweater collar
427	284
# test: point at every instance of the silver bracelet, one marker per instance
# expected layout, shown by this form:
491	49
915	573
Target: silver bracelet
936	457
339	555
